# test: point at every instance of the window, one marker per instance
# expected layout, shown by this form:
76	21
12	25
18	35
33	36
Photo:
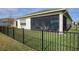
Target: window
23	22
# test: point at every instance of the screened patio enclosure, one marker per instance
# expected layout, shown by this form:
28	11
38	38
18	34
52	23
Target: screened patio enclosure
48	23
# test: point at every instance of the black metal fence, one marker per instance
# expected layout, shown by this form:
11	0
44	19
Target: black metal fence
44	40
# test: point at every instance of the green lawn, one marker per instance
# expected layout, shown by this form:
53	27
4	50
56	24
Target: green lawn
51	41
9	44
74	29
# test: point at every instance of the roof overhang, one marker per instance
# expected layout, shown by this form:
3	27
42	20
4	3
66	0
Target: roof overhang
46	12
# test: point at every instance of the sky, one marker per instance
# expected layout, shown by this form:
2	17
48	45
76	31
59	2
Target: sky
15	12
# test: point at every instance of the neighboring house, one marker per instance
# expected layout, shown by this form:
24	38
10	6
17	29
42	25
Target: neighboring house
75	24
78	23
52	20
10	22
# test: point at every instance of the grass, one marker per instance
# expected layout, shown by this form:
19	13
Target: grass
52	41
9	44
74	29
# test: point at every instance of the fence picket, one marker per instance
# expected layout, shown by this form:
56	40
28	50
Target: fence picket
50	41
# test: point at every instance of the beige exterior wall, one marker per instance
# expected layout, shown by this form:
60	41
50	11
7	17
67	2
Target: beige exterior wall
27	21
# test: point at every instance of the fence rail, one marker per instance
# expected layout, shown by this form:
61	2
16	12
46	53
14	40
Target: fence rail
44	40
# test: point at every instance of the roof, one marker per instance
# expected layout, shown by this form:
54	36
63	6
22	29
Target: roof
53	9
7	19
45	12
42	12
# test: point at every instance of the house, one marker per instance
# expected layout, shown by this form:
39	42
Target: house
10	22
52	20
78	23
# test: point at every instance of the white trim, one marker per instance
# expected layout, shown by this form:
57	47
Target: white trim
61	22
18	23
28	23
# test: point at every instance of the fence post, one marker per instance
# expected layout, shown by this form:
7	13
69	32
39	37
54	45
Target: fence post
23	35
2	29
7	30
78	42
42	40
76	27
13	33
